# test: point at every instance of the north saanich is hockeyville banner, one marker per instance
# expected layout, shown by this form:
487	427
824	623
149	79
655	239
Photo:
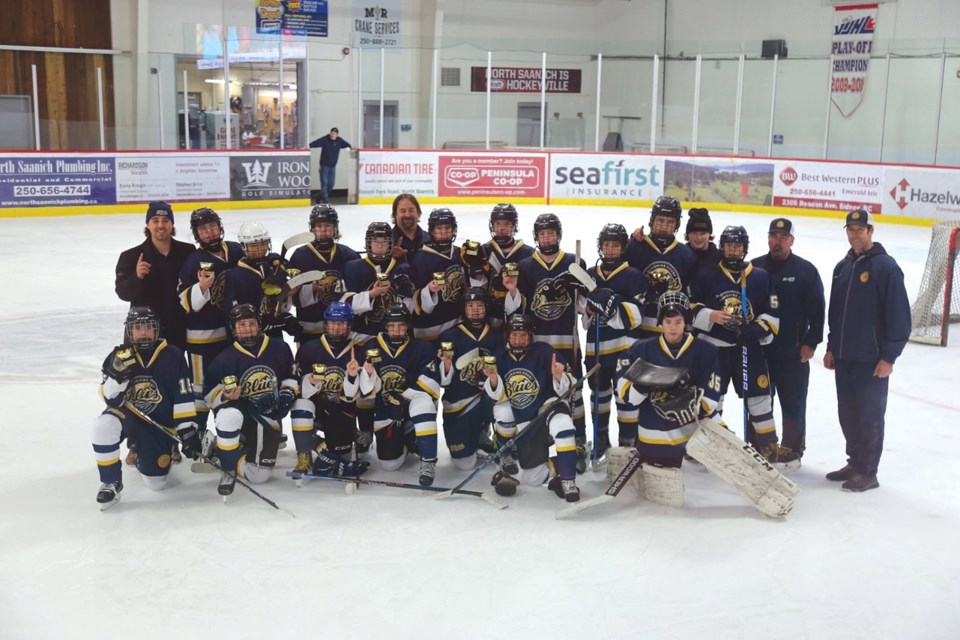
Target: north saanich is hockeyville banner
34	180
524	80
853	28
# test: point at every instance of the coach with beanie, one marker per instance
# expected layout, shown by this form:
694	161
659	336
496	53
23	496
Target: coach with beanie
149	273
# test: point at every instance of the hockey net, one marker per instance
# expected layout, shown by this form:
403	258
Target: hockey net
937	304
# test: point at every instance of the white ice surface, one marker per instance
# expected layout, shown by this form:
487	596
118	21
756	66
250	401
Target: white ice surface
392	563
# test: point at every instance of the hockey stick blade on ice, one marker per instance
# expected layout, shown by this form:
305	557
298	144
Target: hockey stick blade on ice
612	491
485	496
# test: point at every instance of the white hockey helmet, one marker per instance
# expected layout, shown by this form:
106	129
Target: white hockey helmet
251	232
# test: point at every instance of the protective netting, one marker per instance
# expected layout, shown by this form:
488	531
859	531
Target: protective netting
938	303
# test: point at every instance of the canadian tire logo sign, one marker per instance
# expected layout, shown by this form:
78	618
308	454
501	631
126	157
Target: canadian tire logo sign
788	176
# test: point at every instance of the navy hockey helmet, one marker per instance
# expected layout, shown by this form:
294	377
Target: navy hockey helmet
325	213
507	212
442	216
544	222
200	217
475	294
667	206
378	230
244	312
138	319
734	235
518	323
673	303
612	233
394	314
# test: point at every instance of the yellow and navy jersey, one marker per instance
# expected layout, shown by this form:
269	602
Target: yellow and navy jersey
463	387
527	381
615	337
359	276
717	288
670	268
259	371
159	387
497	257
330	386
548	299
434	313
312	300
413	365
698	357
206	326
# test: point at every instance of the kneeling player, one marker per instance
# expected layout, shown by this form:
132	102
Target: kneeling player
529	380
329	389
145	376
250	388
402	374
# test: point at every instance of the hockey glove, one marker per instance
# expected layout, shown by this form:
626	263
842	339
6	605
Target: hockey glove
190	442
755	331
286	397
568	281
735	324
330	464
679	405
120	366
403	285
604	301
265	404
474	262
657	286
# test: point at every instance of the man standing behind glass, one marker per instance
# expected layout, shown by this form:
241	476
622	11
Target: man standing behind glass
329	146
800	293
869	324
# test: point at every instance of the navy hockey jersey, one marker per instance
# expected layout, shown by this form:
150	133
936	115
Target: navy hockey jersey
259	371
437	312
548	299
312	300
359	277
413	365
463	387
717	288
159	387
669	269
497	257
615	332
527	382
331	384
206	325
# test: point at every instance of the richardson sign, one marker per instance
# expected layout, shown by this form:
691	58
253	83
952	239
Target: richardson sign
826	185
489	175
584	176
921	193
524	80
273	176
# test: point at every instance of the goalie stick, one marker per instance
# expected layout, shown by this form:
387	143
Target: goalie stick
485	496
211	462
531	426
612	491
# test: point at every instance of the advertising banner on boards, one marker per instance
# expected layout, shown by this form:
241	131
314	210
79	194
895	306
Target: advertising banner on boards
28	180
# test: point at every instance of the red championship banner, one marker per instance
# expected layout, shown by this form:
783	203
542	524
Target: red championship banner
524	80
492	175
853	28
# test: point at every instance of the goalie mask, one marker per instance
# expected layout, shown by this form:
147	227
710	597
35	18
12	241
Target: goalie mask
733	258
205	239
396	325
245	325
324	214
665	207
674	303
442	239
503	214
546	222
379	242
611	258
255	240
475	309
519	334
337	318
141	328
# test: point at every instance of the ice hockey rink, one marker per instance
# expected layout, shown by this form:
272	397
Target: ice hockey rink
393	563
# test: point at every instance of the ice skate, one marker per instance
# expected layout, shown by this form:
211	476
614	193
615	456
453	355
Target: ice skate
428	471
227	483
566	489
109	494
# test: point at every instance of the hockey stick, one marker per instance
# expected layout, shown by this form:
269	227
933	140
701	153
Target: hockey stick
213	463
612	491
746	371
534	424
595	462
485	496
294	240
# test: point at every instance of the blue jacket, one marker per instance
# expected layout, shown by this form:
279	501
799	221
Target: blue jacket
802	305
329	149
869	318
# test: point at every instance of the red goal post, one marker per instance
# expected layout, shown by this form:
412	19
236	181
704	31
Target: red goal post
937	304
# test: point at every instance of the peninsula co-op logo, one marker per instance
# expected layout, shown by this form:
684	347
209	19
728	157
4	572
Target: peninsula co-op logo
612	178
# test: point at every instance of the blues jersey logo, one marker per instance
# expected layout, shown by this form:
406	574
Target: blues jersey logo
144	394
330	384
329	287
393	379
522	388
664	274
550	299
473	374
729	302
454	289
257	381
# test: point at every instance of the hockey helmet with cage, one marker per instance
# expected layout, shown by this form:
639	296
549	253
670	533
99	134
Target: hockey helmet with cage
442	216
244	312
378	230
514	324
612	233
734	235
507	212
325	213
673	303
475	294
141	317
396	313
201	217
544	222
337	311
252	233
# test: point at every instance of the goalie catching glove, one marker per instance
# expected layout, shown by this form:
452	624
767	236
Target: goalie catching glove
682	405
668	389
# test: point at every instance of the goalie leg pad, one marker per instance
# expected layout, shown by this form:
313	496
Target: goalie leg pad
661	485
743	468
617	459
